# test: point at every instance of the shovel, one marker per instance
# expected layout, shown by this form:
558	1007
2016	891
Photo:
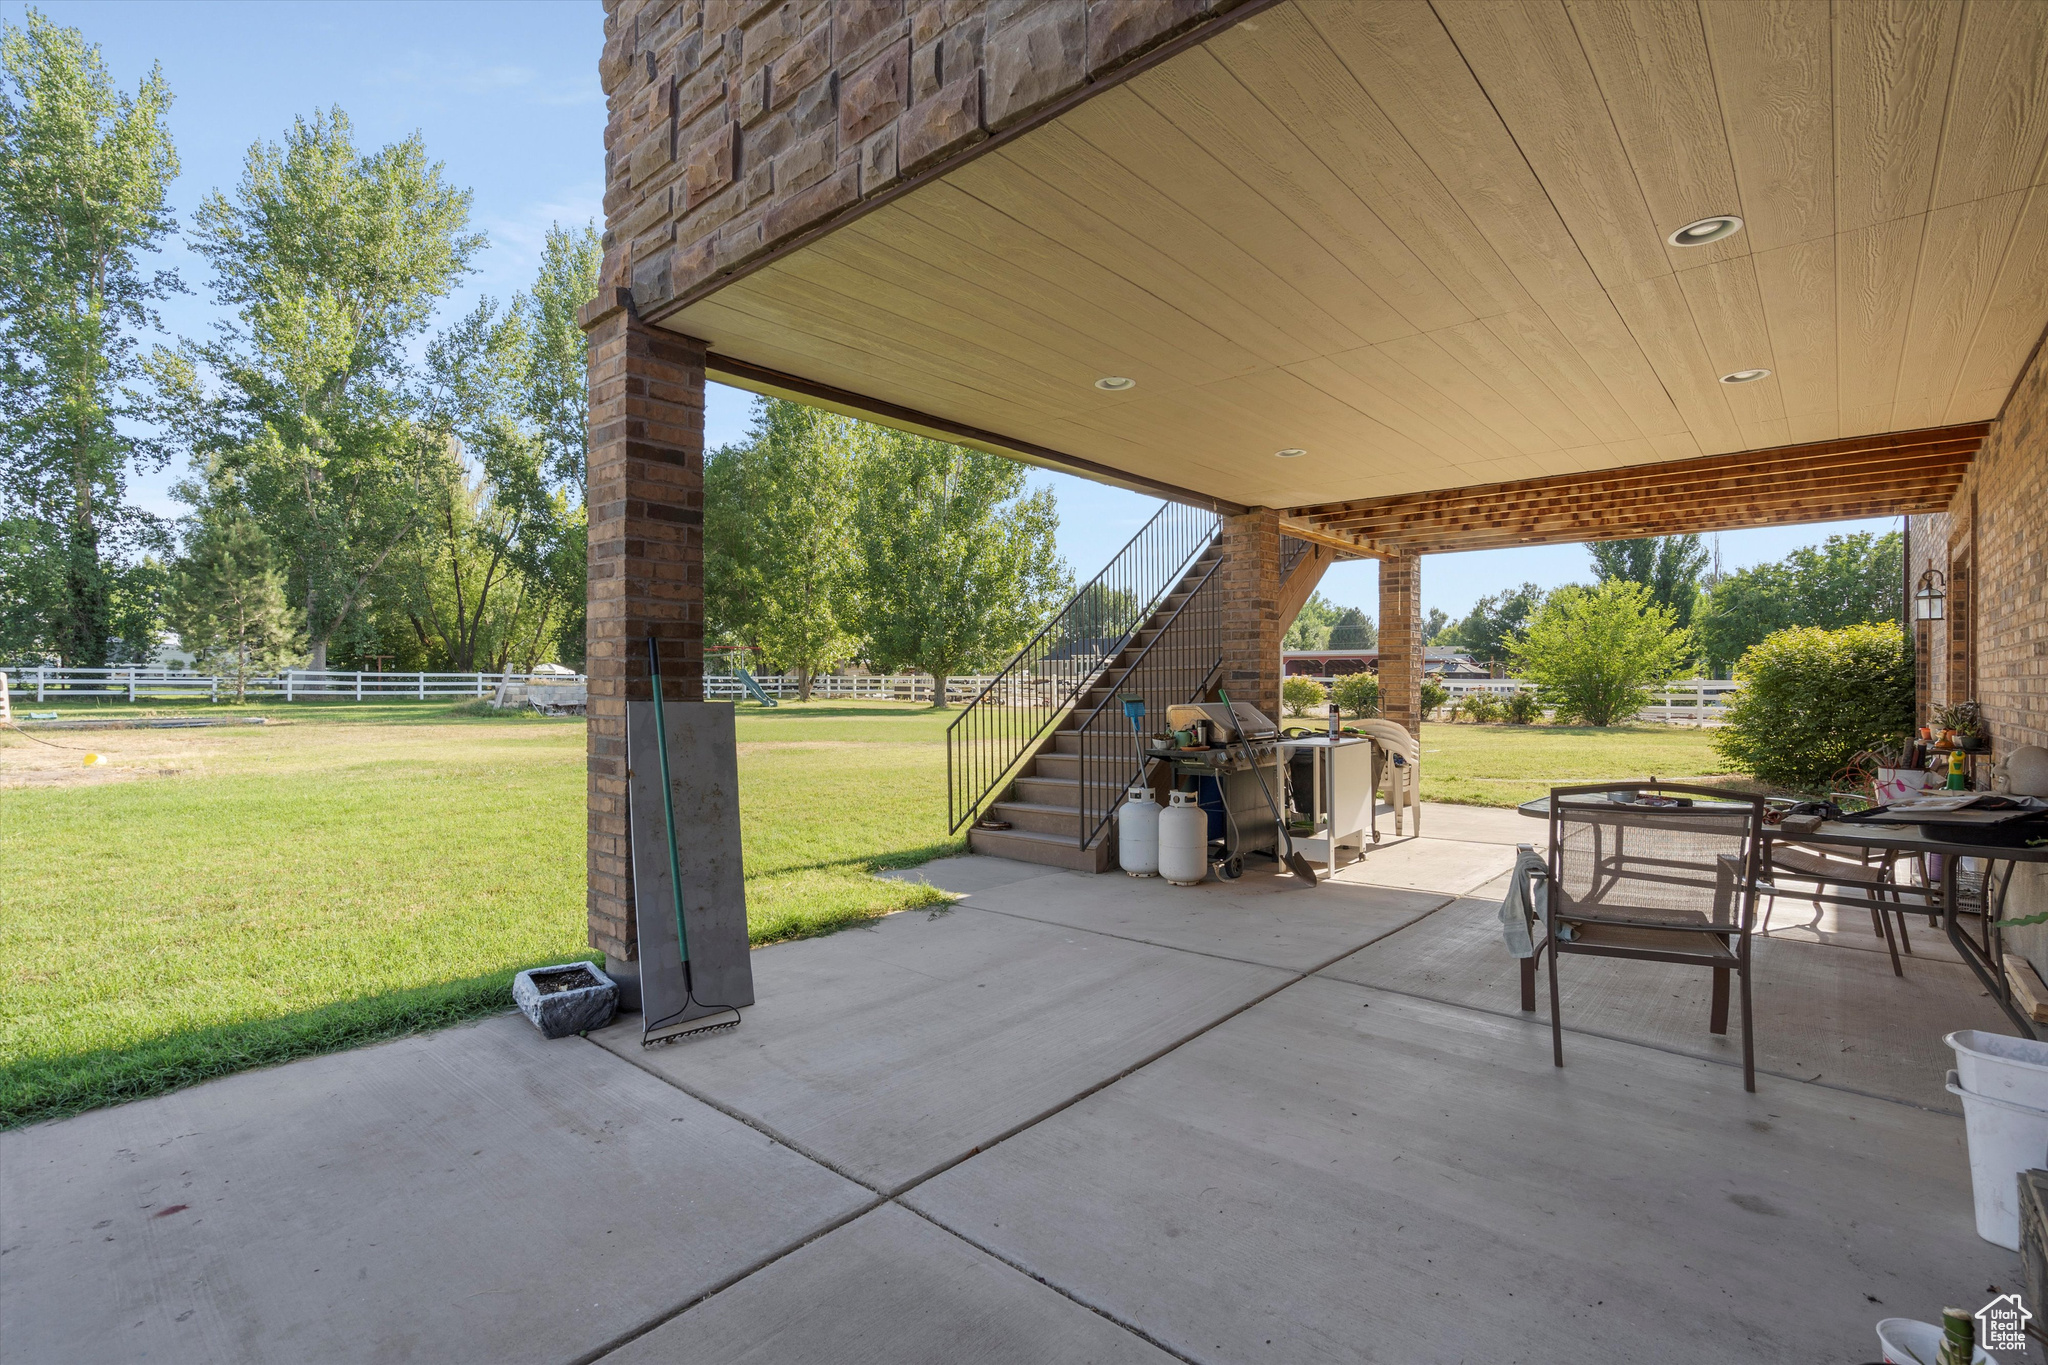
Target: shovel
1296	864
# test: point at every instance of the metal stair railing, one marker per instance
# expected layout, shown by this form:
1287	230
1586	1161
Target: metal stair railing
1175	666
998	729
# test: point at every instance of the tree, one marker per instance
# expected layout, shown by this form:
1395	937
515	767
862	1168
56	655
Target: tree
781	542
1311	628
1812	699
957	561
1353	629
83	176
1846	581
1433	625
1669	567
1494	623
227	601
333	262
1596	652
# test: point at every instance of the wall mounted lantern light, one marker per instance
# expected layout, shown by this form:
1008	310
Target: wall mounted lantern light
1930	602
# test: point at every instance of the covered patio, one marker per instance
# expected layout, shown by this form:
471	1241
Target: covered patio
1068	1118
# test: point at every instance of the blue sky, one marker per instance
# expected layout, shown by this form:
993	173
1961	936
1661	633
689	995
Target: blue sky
506	94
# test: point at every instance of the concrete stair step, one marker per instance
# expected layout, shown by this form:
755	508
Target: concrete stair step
1050	850
1037	817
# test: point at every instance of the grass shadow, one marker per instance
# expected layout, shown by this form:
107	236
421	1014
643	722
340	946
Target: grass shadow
34	1089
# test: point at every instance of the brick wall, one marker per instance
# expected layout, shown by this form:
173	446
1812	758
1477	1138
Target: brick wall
1997	625
1252	627
1401	655
646	508
737	124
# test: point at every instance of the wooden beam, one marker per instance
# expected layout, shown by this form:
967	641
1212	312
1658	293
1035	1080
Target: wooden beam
1334	537
1869	476
760	379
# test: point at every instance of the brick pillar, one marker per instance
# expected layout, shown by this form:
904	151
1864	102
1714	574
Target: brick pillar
646	507
1401	641
1252	628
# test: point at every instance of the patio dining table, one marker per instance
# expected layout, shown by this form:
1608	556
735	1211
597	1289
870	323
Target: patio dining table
1861	836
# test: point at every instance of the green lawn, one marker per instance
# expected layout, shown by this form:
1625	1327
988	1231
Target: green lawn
241	896
1505	765
216	899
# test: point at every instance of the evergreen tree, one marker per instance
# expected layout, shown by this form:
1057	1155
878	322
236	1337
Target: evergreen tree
1353	629
83	175
227	602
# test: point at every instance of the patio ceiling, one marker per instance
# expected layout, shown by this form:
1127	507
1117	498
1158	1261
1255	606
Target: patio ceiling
1428	246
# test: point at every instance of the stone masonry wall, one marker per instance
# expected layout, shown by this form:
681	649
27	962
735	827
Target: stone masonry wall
738	124
646	507
2001	515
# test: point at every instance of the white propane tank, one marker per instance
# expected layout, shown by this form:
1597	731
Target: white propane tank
1184	840
1137	833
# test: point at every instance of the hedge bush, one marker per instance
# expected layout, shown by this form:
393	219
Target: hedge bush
1521	708
1812	699
1358	693
1301	695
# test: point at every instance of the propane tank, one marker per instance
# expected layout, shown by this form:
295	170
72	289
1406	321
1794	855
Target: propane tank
1137	833
1184	840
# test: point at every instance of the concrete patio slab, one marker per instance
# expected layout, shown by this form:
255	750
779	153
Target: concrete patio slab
1341	1174
1267	916
885	1289
1451	866
891	1051
1479	824
1835	1016
476	1194
969	873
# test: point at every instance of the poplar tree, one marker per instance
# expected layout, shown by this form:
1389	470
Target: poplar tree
84	171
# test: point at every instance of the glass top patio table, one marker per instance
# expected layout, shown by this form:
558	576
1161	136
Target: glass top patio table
1864	836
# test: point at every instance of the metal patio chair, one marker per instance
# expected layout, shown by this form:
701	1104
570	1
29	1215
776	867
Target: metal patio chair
1873	873
1656	883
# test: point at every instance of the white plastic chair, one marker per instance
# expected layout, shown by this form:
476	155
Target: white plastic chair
1403	780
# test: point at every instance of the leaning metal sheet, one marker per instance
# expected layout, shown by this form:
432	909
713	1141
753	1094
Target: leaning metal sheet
703	760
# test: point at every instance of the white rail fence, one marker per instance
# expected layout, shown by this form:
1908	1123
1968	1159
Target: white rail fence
1697	701
833	686
142	683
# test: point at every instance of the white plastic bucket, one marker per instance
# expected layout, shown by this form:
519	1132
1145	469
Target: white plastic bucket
1897	784
2001	1066
1908	1341
2005	1139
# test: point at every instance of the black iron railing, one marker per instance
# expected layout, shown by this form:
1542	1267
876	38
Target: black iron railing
999	728
1176	665
1291	552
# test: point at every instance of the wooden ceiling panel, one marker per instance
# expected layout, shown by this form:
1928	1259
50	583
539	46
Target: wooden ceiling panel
1428	244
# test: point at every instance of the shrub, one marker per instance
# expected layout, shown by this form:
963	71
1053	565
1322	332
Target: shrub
1480	707
1299	695
1521	708
1596	652
1358	693
1434	695
1812	698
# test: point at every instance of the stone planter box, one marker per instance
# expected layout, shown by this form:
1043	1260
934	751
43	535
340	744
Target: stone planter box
567	999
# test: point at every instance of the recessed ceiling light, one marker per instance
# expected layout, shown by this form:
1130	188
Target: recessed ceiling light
1115	383
1745	376
1706	230
1291	453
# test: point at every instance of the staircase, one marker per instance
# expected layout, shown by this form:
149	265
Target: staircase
1045	748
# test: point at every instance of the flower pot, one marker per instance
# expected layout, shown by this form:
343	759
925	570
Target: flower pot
571	998
1972	744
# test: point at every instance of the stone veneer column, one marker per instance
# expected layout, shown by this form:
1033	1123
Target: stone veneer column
1252	628
1401	641
646	508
